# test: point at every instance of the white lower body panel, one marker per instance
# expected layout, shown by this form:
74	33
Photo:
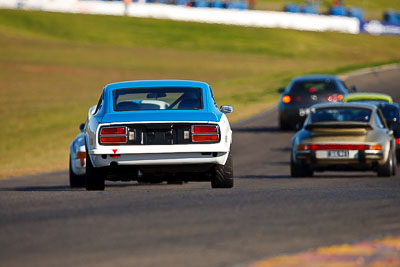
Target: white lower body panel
160	159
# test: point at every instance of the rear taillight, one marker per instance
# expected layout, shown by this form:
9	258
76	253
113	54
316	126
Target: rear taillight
286	99
204	129
205	133
113	135
113	130
334	98
398	141
338	147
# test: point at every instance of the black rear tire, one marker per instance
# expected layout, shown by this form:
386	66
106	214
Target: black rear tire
397	156
75	181
95	177
223	174
283	126
299	170
386	169
394	170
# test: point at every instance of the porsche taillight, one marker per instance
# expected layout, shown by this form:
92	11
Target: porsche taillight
338	147
113	135
205	133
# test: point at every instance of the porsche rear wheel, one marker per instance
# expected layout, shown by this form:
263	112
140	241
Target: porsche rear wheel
394	167
75	181
223	174
95	177
387	169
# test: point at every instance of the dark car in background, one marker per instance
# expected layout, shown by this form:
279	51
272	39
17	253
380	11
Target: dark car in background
305	91
391	112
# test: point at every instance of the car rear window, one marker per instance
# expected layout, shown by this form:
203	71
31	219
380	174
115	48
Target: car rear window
168	98
313	87
389	112
340	114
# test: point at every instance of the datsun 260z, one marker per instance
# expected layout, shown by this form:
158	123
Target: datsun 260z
158	131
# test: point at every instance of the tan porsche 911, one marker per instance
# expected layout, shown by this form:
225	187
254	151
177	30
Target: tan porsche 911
343	137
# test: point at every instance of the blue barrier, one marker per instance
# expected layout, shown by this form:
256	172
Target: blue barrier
242	5
181	2
201	3
356	12
237	5
391	16
217	4
338	11
292	8
309	9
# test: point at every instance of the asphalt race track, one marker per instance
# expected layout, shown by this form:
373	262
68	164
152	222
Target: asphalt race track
267	213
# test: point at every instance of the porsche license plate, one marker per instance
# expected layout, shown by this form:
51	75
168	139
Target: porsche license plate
338	154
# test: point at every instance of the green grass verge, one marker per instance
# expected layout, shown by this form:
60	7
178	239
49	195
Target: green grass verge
53	67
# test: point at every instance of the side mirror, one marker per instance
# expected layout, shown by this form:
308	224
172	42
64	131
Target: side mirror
82	127
281	90
226	109
354	89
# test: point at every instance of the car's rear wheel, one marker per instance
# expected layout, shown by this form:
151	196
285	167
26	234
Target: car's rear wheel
223	174
75	181
299	170
394	170
283	126
95	177
387	168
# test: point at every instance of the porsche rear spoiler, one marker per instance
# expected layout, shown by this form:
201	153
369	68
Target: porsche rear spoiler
357	126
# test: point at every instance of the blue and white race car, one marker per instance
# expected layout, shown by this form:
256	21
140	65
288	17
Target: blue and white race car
152	131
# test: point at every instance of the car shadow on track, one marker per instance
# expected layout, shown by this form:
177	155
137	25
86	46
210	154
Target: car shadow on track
38	188
320	176
67	188
281	149
279	163
277	176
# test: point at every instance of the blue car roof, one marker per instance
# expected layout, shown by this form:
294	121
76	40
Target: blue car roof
155	83
208	113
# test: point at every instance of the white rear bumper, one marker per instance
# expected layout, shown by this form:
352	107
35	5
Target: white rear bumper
160	159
